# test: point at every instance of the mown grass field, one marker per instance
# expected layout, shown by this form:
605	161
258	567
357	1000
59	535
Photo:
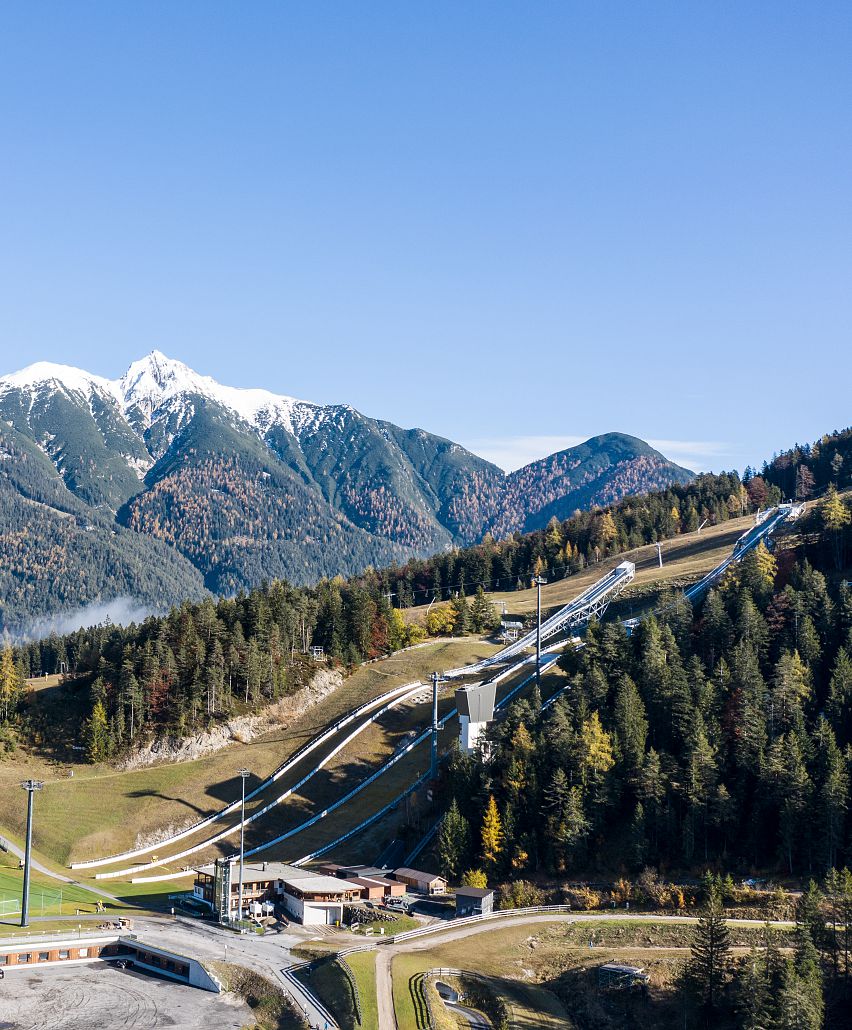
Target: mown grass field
100	810
47	897
363	967
532	1007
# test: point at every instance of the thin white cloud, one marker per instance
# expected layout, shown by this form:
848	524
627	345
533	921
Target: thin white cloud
513	452
699	455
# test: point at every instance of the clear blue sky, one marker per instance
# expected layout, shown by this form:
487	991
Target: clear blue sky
514	224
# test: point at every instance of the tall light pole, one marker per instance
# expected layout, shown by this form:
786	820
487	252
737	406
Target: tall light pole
539	583
243	774
30	786
436	679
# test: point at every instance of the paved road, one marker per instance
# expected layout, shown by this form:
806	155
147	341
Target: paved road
474	1019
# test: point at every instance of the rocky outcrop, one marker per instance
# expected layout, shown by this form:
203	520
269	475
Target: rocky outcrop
240	730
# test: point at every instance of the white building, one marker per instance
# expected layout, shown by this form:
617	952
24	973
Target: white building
476	709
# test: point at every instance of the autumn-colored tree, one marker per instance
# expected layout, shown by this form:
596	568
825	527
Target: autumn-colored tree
440	620
835	517
96	734
597	755
10	682
475	878
492	833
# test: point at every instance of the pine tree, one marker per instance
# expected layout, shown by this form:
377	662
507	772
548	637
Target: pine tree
711	949
453	841
631	724
801	1004
481	612
462	620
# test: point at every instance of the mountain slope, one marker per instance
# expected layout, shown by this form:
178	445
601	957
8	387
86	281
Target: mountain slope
237	486
595	473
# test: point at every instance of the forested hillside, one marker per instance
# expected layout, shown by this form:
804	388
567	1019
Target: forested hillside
719	736
243	486
806	470
563	548
204	661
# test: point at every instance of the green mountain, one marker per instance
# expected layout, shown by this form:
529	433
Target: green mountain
165	482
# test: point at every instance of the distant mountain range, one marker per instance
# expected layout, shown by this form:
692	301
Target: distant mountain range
165	483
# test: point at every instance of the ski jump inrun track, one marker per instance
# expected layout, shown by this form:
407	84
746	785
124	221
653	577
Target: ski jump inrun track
591	603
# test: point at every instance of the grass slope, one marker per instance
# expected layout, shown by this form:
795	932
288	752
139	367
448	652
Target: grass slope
100	810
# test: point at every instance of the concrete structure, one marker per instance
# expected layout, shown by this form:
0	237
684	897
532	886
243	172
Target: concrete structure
305	896
474	901
425	883
70	949
614	975
476	709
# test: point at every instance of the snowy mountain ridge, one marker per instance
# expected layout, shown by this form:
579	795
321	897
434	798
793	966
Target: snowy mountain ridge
154	383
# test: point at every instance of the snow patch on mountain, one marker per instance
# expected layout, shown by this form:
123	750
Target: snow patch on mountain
34	378
149	385
158	384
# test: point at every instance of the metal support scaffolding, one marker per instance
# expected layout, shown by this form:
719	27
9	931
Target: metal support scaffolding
436	679
539	583
243	774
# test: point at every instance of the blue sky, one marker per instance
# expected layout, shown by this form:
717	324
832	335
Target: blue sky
516	224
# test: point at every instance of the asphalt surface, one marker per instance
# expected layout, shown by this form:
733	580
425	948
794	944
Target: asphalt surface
474	1019
99	996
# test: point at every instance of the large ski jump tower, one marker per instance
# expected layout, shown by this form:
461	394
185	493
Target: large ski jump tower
476	709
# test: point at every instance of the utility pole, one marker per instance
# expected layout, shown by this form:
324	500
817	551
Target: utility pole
539	583
659	547
243	774
30	786
436	679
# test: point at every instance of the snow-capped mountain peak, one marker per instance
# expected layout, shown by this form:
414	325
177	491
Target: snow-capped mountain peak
157	384
155	380
44	373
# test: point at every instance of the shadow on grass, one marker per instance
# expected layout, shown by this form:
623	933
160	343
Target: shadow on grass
417	990
165	797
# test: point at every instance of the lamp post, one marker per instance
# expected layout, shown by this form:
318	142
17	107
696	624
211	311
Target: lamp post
436	679
30	786
539	583
243	774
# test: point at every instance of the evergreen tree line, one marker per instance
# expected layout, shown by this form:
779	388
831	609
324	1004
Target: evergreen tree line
564	548
718	736
178	672
807	470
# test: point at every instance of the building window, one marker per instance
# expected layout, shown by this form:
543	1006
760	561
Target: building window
44	956
65	954
83	953
4	960
26	957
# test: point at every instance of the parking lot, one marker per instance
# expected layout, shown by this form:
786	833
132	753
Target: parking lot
96	996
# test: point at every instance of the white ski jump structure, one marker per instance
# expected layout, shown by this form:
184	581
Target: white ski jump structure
590	604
